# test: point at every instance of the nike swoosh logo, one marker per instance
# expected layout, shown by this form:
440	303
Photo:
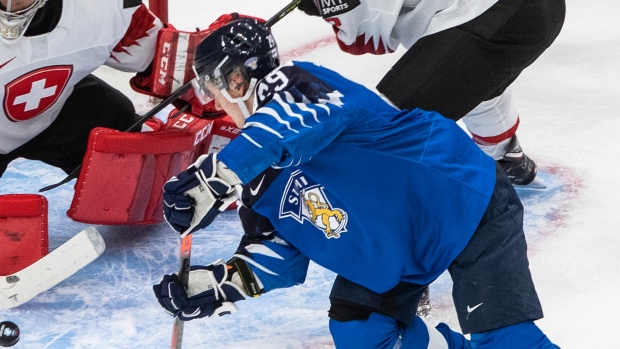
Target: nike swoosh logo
470	309
255	190
7	62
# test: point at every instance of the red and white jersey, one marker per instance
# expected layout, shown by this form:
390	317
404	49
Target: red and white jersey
379	26
39	72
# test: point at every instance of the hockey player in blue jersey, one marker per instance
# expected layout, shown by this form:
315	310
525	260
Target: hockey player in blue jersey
387	199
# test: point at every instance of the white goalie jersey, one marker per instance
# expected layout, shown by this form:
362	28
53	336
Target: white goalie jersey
39	72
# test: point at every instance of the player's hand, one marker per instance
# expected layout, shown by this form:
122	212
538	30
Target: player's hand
194	197
209	292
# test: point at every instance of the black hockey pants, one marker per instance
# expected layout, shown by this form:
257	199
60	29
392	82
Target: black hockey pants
456	69
93	103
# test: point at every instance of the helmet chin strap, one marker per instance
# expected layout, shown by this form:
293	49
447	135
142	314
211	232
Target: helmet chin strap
241	100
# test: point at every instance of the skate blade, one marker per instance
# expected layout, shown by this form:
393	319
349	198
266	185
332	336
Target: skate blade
537	183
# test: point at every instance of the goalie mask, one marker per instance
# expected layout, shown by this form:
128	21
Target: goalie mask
243	47
13	23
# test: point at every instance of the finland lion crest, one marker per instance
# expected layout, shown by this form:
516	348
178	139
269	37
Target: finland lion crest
305	199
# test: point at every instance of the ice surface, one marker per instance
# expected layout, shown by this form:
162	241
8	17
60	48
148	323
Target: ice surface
568	102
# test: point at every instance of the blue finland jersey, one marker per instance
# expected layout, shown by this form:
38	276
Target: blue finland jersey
372	193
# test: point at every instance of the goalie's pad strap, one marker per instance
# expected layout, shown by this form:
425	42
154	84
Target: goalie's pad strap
250	284
24	239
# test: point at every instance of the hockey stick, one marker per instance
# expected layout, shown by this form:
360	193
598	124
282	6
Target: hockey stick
283	12
186	242
186	251
47	272
176	94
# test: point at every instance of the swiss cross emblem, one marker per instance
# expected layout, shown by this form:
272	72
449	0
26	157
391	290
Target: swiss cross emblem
33	93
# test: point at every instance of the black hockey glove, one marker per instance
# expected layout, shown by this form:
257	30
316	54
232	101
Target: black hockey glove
211	290
309	7
197	195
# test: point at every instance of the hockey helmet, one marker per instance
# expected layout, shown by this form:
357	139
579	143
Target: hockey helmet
243	46
13	24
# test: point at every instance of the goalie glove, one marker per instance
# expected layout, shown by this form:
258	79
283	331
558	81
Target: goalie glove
197	195
211	290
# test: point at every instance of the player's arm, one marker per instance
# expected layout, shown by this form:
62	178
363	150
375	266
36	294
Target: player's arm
136	49
263	262
272	259
362	27
298	116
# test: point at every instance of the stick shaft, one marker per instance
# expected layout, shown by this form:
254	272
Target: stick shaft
185	254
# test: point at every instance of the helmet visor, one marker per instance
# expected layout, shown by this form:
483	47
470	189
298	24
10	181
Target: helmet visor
201	91
209	78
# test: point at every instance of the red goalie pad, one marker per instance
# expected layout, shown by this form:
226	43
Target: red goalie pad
123	173
23	231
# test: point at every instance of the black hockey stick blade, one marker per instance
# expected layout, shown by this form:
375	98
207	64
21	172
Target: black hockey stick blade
70	176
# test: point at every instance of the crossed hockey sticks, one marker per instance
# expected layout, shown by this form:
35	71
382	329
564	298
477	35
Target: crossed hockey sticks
186	241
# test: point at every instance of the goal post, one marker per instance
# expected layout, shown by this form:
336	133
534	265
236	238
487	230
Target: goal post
160	9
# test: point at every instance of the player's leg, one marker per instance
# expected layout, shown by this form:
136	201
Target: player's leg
4	162
527	34
454	70
493	126
523	335
384	332
493	291
361	318
93	103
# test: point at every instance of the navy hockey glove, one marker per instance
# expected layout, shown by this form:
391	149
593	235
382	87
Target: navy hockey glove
209	291
194	197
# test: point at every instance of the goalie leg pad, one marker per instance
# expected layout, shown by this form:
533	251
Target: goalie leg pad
123	173
23	231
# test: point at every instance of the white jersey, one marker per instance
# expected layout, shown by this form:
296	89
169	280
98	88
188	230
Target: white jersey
379	26
39	72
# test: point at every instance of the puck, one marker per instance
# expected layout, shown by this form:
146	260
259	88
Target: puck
9	334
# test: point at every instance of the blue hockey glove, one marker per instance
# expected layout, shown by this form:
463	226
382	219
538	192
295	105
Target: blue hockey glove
194	197
208	292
